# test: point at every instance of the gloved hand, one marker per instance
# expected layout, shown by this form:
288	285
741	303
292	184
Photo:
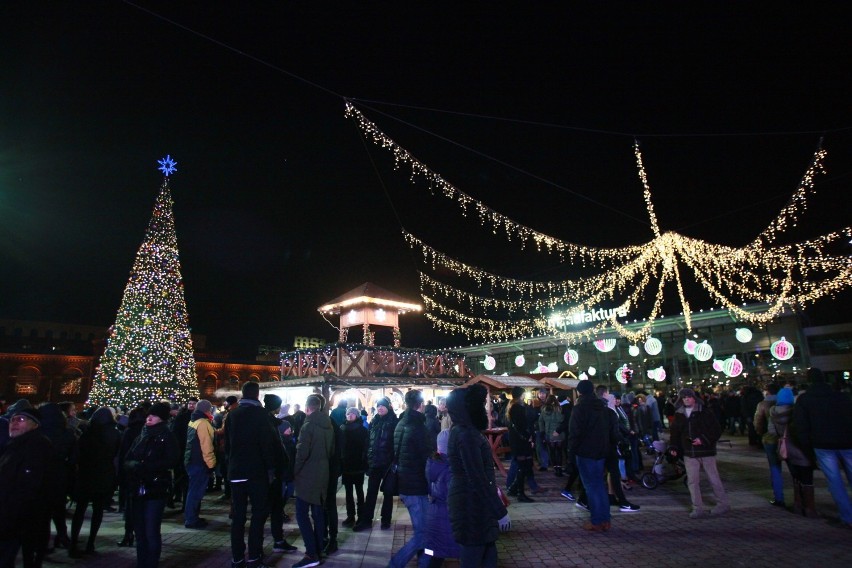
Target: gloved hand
505	523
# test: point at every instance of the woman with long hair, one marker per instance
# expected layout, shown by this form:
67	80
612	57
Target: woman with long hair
96	476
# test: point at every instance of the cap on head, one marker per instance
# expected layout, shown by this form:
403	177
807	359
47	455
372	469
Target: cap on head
586	388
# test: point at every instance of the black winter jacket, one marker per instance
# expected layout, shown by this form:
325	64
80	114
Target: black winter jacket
149	462
30	481
823	418
474	505
590	430
520	431
409	440
703	424
354	448
380	452
99	443
251	442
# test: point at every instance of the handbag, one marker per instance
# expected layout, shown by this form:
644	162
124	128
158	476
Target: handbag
390	481
783	451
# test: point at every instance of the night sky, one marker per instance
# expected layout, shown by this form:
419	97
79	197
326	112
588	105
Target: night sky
281	206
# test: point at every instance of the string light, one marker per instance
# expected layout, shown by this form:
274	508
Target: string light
779	275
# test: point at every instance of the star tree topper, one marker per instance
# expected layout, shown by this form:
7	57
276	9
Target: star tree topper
167	165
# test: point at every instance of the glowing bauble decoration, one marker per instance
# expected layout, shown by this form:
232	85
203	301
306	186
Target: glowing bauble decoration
703	352
633	350
621	374
490	363
583	377
571	357
782	349
520	361
732	367
144	350
689	346
542	368
743	334
553	367
653	346
592	371
605	345
717	365
658	374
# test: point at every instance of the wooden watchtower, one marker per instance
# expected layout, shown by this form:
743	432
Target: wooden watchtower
369	305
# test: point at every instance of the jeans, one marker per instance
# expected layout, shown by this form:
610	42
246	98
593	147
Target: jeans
833	463
256	491
476	556
417	506
693	469
541	449
592	474
147	517
198	478
312	534
775	475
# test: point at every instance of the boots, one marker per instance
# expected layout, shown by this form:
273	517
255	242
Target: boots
518	487
797	498
127	540
808	501
558	470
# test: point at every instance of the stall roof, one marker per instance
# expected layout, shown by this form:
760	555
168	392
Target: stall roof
501	382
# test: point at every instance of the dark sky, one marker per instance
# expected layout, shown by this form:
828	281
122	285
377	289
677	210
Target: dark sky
279	204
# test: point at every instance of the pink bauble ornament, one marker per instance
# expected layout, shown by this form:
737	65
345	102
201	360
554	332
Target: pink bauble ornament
782	349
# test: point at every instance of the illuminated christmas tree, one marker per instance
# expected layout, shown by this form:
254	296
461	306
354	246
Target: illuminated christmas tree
149	352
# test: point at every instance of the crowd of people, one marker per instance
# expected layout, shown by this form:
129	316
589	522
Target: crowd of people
434	458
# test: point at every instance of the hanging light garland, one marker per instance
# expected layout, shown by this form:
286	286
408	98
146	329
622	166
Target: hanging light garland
779	275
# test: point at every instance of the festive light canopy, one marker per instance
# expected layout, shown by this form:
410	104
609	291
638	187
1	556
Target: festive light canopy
763	271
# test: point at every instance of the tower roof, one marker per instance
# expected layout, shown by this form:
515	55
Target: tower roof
369	294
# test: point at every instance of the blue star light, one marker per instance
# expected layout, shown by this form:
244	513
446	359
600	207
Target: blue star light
167	165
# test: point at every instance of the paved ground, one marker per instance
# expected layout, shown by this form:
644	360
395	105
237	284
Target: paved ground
547	532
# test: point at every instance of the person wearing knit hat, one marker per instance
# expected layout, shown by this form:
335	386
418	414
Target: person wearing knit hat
380	454
199	460
693	435
353	463
588	445
272	403
517	393
31	472
769	439
161	410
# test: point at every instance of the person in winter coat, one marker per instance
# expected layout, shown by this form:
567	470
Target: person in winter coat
380	454
199	460
313	452
590	437
251	444
148	466
330	504
412	450
55	428
178	425
433	426
272	405
354	464
135	423
96	478
694	434
477	513
799	463
30	482
823	419
438	541
520	441
548	425
765	428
